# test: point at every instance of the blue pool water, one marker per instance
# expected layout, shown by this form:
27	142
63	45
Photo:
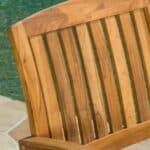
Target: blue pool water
12	11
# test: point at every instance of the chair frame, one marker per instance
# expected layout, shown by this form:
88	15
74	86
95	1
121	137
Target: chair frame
58	17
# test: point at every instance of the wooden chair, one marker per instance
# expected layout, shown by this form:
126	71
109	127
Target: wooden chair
85	71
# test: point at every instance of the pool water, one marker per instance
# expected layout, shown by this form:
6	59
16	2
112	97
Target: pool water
12	11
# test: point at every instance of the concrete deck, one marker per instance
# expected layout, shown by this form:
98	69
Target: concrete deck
14	126
13	123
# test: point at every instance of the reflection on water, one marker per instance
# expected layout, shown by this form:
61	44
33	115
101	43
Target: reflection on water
10	12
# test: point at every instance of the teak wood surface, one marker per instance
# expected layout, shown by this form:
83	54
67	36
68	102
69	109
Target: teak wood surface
85	71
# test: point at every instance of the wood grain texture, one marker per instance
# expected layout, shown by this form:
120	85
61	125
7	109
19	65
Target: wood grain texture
122	71
144	41
78	81
135	66
85	74
93	80
47	85
130	136
69	13
30	81
147	15
39	143
64	87
107	75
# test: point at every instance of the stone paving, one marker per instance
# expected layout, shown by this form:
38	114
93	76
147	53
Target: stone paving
14	126
13	123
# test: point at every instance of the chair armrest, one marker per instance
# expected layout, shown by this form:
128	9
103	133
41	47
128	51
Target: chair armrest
122	138
114	141
42	143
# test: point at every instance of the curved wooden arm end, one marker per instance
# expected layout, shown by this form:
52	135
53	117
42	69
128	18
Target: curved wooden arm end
114	141
42	143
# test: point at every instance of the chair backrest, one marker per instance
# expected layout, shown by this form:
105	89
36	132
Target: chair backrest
85	67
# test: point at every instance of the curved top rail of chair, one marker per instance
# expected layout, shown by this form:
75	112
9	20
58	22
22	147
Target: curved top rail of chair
75	12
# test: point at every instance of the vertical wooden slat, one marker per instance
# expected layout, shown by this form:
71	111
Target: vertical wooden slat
107	74
30	80
147	15
122	71
93	80
64	88
148	7
135	66
47	85
144	41
81	98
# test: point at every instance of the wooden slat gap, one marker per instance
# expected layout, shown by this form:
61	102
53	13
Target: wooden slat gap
51	67
129	67
137	35
40	84
56	86
84	73
128	18
139	47
101	82
111	60
71	83
147	16
118	88
53	81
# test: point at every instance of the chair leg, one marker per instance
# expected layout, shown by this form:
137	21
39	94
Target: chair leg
22	147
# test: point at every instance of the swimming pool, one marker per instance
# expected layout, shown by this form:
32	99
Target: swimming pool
12	11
